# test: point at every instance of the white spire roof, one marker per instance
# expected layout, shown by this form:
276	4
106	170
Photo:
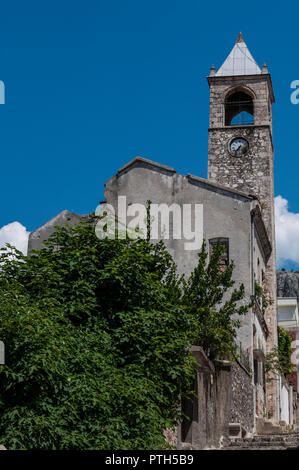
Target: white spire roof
239	61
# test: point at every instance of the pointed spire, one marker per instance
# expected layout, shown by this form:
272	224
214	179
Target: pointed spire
240	38
265	68
212	71
239	61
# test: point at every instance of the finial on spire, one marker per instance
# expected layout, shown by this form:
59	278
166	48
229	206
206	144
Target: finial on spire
212	71
239	61
265	68
240	38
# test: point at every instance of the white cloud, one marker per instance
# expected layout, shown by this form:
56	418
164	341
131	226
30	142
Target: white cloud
287	232
15	234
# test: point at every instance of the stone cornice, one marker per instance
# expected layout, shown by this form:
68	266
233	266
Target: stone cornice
262	232
221	187
145	161
257	310
243	79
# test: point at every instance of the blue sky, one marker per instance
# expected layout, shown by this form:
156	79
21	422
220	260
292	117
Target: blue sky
90	85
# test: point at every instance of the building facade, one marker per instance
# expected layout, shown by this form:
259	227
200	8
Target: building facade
288	318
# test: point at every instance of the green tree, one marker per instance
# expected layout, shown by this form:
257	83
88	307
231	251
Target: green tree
98	336
210	297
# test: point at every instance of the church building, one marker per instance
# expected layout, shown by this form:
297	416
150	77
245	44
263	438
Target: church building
237	209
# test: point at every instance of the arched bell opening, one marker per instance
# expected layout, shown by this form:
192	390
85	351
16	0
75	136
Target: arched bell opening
239	109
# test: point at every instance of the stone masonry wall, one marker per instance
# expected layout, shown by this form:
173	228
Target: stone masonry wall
241	397
209	411
224	395
251	173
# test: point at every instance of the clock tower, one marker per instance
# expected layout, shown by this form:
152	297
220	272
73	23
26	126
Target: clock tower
240	152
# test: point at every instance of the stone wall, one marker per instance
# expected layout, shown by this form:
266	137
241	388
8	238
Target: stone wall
252	173
208	414
242	410
224	395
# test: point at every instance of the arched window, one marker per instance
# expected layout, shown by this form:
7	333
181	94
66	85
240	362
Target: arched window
238	109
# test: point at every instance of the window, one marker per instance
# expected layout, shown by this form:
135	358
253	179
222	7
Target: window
286	313
224	258
238	109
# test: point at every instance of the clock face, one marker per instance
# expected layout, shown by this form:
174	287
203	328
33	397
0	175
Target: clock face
238	147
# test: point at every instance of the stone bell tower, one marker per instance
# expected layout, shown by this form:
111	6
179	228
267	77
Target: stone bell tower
240	153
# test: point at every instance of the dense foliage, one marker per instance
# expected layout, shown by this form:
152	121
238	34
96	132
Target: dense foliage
279	359
285	350
97	336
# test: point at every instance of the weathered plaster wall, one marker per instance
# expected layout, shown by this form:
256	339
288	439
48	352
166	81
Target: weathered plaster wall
208	414
41	234
225	214
224	395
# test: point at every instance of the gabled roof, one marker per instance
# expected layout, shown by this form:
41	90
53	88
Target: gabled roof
145	161
239	61
150	164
